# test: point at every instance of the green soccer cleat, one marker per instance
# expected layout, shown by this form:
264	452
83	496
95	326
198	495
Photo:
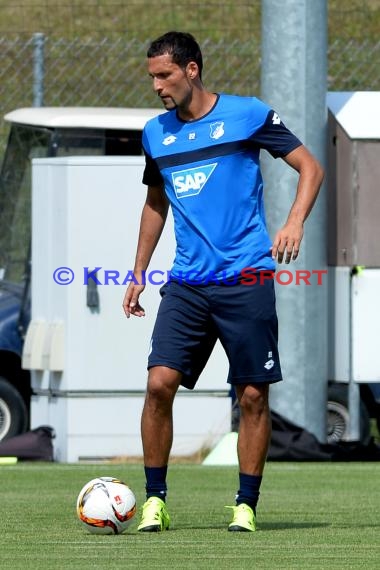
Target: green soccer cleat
155	517
244	519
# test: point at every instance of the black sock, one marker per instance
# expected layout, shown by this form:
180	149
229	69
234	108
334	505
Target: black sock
156	482
249	490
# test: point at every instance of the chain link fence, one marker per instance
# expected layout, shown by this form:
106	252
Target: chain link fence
59	72
92	52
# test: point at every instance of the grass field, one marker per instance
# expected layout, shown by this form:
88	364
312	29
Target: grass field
144	18
311	515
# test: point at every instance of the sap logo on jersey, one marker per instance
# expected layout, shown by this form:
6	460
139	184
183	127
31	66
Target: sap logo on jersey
190	182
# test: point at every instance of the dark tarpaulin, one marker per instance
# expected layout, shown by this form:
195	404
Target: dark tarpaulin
292	443
34	445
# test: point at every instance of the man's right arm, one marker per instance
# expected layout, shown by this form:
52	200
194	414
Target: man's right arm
152	223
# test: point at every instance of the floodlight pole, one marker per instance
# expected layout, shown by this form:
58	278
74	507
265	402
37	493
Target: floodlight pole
293	82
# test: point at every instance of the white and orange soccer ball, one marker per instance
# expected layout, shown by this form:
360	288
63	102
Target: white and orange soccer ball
106	505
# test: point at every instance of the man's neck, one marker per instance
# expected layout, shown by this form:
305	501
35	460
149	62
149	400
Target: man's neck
199	106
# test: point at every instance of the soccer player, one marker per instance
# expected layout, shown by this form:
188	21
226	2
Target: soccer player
202	159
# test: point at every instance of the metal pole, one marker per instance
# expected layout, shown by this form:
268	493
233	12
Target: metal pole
294	78
38	69
353	387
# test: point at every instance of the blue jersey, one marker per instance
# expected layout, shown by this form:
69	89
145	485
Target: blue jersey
211	172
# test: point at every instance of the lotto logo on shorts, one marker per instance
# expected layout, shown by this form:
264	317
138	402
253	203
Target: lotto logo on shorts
191	181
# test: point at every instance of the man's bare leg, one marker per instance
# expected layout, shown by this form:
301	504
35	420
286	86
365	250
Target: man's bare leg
157	439
255	427
157	416
253	443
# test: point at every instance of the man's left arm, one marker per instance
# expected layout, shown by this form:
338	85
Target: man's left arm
286	243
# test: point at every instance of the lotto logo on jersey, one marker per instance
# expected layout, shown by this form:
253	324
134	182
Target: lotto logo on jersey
191	181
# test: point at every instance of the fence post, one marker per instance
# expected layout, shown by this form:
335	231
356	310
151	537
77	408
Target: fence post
38	69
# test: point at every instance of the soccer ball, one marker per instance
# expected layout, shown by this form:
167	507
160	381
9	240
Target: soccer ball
106	505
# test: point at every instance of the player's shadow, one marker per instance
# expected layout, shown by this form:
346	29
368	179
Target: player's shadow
287	525
265	526
205	526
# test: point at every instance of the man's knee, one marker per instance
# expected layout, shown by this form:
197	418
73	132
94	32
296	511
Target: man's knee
163	383
253	399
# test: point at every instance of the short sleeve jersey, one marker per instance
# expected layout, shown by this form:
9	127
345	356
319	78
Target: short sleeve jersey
211	172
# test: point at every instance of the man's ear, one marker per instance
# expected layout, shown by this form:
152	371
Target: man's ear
192	70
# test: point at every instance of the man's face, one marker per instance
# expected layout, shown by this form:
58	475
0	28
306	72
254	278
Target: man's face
170	82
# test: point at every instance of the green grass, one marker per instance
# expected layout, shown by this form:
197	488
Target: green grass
230	19
311	515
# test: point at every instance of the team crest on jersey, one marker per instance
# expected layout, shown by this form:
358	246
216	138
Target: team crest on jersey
190	182
217	130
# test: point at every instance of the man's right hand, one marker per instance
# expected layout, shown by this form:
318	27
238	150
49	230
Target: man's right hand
131	303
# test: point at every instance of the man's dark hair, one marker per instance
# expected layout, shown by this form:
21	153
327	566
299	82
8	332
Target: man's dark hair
181	46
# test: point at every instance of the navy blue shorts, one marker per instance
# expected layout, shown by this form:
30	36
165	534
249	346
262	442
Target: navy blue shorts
190	319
